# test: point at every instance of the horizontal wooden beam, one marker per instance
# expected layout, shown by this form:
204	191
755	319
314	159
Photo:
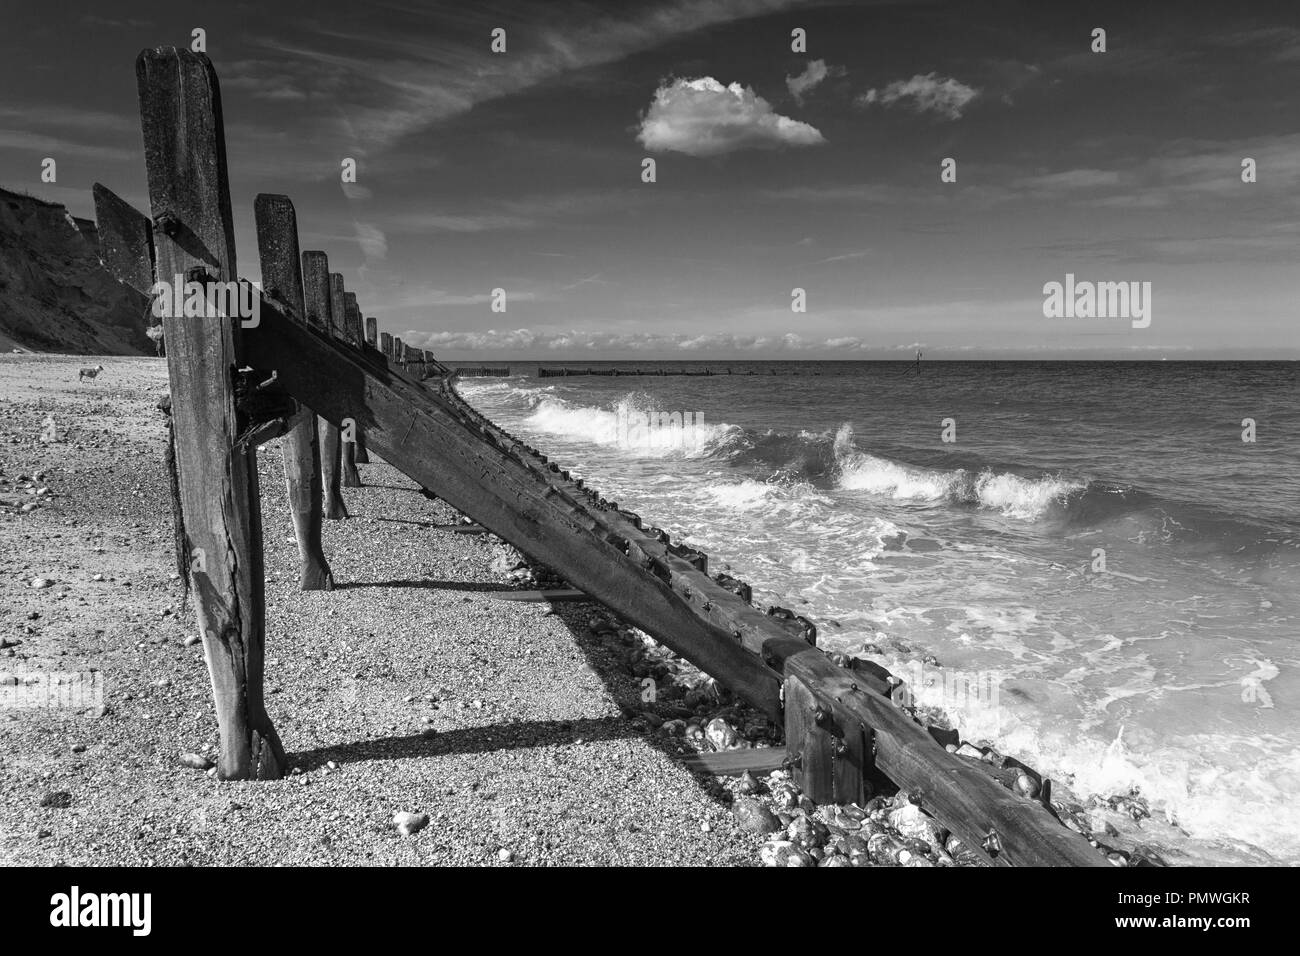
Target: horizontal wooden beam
425	435
733	763
553	596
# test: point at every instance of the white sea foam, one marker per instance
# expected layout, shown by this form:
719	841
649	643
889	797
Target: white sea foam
618	427
991	604
1012	495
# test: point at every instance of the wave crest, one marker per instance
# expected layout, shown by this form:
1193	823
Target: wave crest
1012	495
634	424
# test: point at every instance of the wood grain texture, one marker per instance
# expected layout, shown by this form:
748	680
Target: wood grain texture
812	749
341	326
125	240
277	244
356	335
316	301
189	196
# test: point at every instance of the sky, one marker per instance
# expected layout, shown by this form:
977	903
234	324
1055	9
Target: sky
775	169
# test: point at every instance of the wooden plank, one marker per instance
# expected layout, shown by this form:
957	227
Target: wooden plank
277	244
420	431
189	197
316	299
854	762
811	748
462	528
554	596
734	763
125	240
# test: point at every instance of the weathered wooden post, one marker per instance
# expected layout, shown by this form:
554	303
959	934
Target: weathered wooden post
316	301
826	767
341	328
357	336
386	345
352	320
372	331
216	473
277	243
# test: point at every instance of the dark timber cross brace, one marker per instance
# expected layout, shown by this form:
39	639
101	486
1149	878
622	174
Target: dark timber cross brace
840	722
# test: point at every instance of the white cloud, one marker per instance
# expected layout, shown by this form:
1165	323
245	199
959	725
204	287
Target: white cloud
924	93
704	118
813	74
516	340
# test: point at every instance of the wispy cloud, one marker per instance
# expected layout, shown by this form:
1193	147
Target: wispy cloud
924	93
392	86
57	148
524	212
373	242
813	74
570	340
858	254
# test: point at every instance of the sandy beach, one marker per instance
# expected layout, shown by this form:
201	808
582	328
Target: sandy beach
403	691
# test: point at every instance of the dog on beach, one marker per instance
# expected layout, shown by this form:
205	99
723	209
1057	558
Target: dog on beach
89	373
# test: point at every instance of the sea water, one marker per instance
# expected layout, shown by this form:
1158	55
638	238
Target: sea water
1096	540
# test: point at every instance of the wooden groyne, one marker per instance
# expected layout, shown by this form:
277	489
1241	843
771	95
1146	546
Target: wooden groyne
568	372
236	384
662	372
481	371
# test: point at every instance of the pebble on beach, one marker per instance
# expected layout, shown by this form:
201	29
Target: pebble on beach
721	735
913	824
753	816
409	823
195	761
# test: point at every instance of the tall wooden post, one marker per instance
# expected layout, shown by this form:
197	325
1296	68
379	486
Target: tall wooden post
316	301
221	533
372	331
341	327
277	243
357	336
